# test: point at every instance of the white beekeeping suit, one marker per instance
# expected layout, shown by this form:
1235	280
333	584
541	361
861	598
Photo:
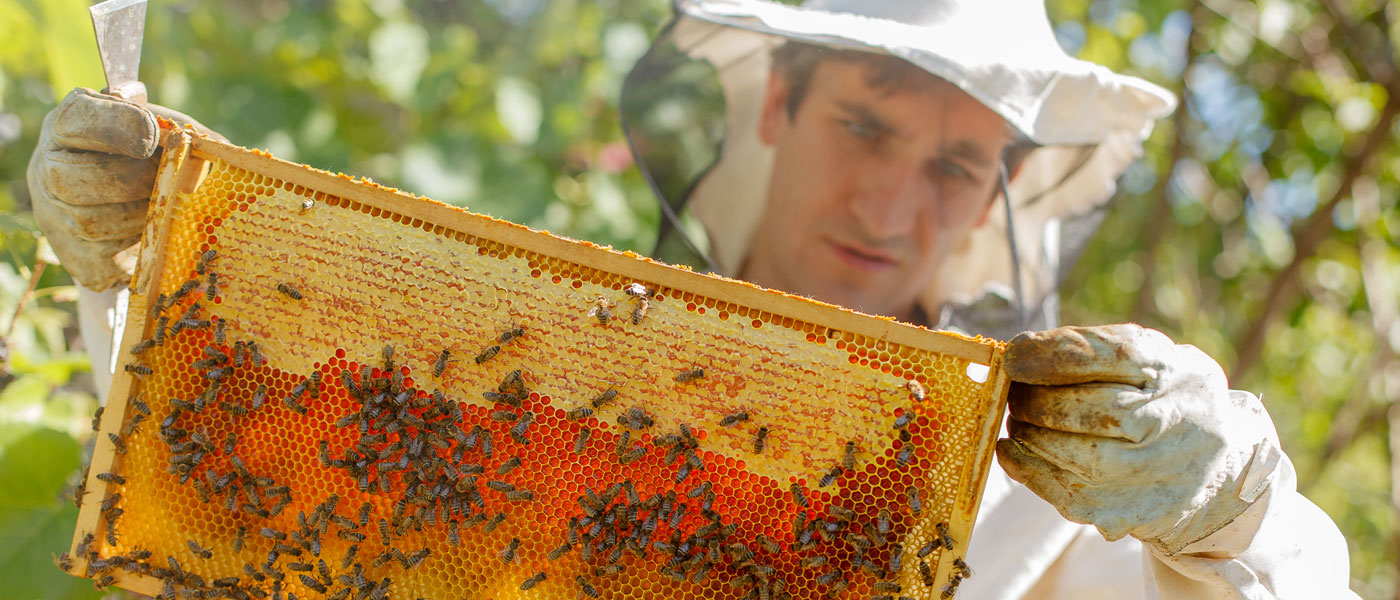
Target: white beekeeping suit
691	108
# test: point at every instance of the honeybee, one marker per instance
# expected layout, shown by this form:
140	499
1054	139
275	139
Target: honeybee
185	289
607	570
733	419
198	551
639	418
581	440
576	414
798	496
138	369
204	259
287	290
905	455
487	354
928	548
643	305
510	334
291	402
441	364
142	346
760	440
503	416
632	456
213	288
828	577
942	528
520	495
255	356
518	431
111	478
689	376
830	477
916	390
903	419
600	310
159	334
314	384
848	461
604	398
307	204
259	396
962	567
534	581
63	561
585	588
916	505
508	553
926	574
117	443
308	580
509	465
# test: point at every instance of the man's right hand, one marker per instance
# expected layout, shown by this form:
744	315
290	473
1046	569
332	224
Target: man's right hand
90	181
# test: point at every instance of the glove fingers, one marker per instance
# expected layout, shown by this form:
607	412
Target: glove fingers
96	179
1048	481
97	265
110	222
1092	458
1124	353
1104	410
87	120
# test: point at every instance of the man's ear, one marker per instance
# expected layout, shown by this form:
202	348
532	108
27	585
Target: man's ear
775	100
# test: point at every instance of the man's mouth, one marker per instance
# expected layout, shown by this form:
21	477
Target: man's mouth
861	258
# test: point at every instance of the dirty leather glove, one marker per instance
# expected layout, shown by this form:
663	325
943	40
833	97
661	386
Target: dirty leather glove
90	181
1119	427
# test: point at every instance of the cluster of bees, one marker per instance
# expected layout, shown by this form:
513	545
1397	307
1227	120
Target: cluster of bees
413	445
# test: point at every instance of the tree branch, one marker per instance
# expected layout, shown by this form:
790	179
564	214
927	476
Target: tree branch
1307	238
1161	190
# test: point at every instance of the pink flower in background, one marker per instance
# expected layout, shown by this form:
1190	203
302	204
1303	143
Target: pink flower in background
613	157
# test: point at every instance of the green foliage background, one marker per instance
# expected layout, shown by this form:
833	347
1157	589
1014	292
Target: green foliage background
1261	224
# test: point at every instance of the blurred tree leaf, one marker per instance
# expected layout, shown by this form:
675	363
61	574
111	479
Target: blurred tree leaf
36	522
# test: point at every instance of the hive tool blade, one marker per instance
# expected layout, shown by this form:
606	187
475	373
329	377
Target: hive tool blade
120	26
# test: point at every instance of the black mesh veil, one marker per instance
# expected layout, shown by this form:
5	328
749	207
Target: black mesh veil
674	116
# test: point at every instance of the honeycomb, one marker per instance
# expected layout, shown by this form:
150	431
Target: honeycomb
329	388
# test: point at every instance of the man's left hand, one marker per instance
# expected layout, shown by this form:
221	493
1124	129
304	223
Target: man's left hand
1119	427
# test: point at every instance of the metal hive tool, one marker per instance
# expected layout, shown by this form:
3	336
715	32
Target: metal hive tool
740	443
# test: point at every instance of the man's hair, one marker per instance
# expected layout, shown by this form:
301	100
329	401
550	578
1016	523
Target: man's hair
796	61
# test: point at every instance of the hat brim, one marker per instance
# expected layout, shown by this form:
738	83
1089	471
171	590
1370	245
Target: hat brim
1017	71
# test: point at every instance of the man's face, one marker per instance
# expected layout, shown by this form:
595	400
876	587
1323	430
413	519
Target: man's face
870	188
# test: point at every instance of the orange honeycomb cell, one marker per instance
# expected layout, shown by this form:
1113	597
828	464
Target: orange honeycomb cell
322	443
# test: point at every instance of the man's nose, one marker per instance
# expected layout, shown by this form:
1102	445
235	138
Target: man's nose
886	203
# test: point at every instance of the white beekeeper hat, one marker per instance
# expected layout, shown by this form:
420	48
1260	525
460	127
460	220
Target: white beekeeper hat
1086	121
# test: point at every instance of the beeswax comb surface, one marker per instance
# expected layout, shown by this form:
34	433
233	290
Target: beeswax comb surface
262	472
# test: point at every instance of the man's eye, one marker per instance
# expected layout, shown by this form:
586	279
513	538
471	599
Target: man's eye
948	167
861	130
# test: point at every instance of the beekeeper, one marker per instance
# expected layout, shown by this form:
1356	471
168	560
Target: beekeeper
940	162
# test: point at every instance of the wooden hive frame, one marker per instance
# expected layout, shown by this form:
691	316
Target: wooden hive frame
844	347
